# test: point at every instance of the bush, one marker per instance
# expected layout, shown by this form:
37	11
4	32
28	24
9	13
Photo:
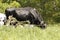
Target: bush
3	6
14	4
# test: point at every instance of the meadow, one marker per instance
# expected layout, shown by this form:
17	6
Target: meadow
26	32
50	11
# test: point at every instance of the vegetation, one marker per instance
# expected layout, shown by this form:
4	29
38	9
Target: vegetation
50	11
52	32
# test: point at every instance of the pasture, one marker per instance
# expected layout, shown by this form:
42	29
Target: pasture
50	11
52	32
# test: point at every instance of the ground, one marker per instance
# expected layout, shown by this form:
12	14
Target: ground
52	32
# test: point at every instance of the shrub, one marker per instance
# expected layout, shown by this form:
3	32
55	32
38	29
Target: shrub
14	4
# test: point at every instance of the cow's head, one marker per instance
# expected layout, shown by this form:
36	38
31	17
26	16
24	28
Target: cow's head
42	24
2	19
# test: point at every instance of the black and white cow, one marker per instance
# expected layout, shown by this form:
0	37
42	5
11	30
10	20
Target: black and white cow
2	19
27	13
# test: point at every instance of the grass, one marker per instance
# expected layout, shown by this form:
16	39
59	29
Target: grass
52	32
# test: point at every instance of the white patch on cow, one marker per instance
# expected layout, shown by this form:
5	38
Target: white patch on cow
34	9
2	18
42	22
45	24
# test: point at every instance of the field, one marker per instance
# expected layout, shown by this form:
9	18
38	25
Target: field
52	32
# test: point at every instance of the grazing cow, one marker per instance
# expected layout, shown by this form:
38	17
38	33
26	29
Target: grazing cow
2	19
27	13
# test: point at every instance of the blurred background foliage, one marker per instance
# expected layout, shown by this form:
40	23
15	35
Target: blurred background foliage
49	9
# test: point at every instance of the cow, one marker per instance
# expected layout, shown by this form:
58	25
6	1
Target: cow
2	19
26	13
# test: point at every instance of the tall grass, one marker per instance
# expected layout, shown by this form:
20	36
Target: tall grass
52	32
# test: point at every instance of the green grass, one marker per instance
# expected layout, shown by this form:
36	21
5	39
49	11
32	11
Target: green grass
52	32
